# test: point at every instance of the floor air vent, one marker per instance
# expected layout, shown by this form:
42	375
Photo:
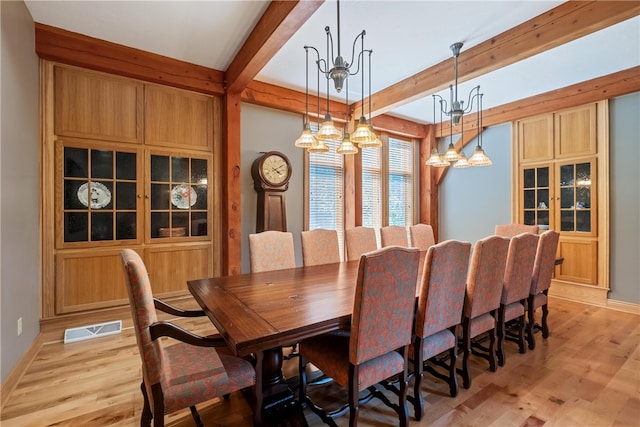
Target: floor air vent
92	331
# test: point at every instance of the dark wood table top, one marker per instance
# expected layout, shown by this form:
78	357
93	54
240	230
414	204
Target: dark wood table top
260	311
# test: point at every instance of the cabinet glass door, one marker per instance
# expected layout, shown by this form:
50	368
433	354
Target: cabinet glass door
536	198
99	197
179	196
576	197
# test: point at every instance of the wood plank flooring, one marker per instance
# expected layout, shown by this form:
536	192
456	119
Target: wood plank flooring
587	373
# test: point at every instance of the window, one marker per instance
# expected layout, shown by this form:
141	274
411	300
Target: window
400	182
371	187
326	191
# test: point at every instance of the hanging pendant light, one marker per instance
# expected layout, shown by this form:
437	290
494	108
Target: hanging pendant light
462	162
451	155
436	159
347	147
320	147
479	158
339	70
306	139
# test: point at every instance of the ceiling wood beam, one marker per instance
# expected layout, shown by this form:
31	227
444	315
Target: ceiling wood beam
606	87
276	26
567	22
63	46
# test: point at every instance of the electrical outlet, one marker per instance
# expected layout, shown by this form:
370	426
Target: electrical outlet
19	326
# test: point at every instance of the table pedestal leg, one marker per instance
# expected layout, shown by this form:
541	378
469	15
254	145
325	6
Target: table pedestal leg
276	391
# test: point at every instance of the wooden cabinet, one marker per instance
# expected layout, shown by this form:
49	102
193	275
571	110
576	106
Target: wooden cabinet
562	180
131	165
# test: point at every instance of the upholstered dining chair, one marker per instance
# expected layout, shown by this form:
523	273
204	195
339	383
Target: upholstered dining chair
482	300
515	290
393	235
183	374
320	246
377	347
359	240
271	250
422	236
540	282
510	230
439	314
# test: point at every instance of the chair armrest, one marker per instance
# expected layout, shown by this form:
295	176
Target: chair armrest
167	308
166	329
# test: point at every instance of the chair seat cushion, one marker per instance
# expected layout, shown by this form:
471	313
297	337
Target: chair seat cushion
437	343
330	353
481	324
513	310
197	374
539	300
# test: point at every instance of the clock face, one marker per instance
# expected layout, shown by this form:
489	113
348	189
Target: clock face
275	169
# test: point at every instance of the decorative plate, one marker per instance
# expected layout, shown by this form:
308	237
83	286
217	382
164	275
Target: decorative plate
99	196
183	196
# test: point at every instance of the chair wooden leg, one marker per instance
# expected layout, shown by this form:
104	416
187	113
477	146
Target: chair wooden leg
522	348
196	416
453	378
545	326
145	418
492	346
402	398
418	373
531	321
501	332
354	404
466	343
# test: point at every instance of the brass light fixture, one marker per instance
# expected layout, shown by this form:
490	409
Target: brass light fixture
455	109
338	70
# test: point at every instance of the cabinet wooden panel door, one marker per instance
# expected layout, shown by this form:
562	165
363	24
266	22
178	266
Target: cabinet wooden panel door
580	261
87	280
97	106
170	267
575	132
535	139
178	118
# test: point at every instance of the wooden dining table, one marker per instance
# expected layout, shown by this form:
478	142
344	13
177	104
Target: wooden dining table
259	313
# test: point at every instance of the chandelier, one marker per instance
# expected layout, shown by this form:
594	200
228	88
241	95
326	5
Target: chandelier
338	70
455	110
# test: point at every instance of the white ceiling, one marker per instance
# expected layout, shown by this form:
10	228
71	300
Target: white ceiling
406	37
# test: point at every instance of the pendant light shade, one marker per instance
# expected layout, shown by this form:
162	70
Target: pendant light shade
328	131
479	158
436	159
320	147
462	162
347	147
363	133
306	138
451	155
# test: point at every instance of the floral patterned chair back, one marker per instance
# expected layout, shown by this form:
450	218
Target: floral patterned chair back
143	313
510	230
320	246
540	281
422	236
486	275
393	235
271	250
358	241
383	309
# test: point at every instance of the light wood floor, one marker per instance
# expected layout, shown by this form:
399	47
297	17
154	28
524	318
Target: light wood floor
587	373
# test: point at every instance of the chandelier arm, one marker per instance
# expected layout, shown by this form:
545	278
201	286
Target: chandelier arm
330	46
444	107
353	52
370	121
473	95
306	86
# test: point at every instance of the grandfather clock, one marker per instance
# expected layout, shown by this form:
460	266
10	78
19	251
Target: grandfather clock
271	173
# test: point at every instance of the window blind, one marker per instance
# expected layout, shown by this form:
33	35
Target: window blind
400	182
371	188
